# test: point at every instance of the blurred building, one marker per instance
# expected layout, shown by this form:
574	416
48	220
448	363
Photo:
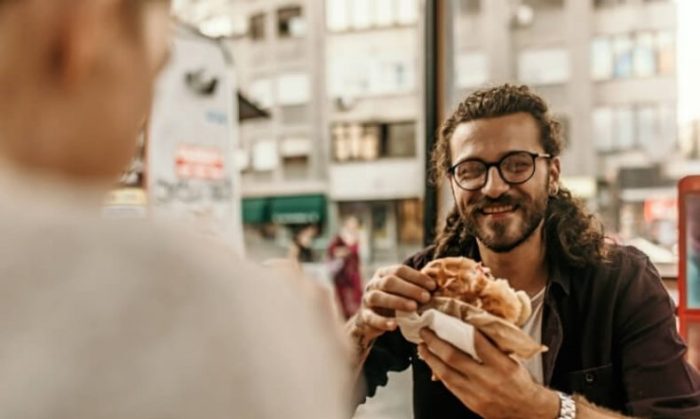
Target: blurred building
608	69
342	85
342	81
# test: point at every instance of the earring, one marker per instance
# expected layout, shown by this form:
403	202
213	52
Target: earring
554	189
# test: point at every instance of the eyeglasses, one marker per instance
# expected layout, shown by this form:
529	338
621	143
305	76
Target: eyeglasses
515	168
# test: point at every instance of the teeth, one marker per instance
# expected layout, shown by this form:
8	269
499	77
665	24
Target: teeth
502	208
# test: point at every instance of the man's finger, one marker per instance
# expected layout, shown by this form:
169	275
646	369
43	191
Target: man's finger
489	353
383	300
378	322
441	370
449	354
395	285
416	277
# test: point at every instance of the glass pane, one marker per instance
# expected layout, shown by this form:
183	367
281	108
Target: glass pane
623	48
693	249
624	128
666	53
337	17
647	127
471	69
603	129
644	59
601	59
543	66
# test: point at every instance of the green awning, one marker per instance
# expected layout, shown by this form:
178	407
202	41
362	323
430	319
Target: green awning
298	209
256	210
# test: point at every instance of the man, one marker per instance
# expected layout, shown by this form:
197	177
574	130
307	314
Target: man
108	319
601	309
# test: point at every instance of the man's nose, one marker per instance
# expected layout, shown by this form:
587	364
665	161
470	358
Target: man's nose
495	185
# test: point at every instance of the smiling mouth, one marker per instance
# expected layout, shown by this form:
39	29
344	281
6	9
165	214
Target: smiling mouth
498	209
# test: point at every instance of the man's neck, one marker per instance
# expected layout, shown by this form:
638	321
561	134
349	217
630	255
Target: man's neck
524	267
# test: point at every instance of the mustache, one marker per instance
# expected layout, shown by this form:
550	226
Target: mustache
486	201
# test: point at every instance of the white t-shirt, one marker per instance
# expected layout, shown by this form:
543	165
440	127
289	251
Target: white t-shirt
533	327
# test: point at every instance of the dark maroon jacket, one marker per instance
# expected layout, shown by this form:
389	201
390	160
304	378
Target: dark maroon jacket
612	337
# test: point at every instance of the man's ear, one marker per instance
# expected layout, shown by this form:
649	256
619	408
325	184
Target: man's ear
554	175
77	40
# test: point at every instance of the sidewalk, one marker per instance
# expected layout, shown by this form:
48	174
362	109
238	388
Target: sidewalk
391	402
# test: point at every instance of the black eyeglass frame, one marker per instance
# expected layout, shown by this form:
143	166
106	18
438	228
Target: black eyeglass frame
497	165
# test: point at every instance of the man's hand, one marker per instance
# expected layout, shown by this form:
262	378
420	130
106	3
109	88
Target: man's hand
390	289
499	387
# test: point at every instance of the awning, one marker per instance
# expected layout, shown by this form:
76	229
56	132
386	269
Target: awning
248	110
302	209
298	209
256	211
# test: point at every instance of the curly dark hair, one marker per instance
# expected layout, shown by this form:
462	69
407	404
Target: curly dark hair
572	234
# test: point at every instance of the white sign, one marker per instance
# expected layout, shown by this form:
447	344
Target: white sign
192	174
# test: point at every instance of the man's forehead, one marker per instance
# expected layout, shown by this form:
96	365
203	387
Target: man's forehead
496	135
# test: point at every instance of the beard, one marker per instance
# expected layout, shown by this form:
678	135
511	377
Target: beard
502	236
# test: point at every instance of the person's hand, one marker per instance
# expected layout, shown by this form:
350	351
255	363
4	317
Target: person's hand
390	289
498	387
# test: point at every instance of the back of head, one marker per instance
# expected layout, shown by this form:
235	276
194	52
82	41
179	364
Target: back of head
76	78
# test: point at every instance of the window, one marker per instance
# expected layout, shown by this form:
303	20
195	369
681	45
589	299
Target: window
361	14
295	153
265	156
290	22
647	126
622	56
601	59
257	27
603	129
471	69
624	126
261	93
384	12
337	15
543	66
372	141
666	53
644	59
398	140
342	15
293	89
544	4
357	70
645	54
469	7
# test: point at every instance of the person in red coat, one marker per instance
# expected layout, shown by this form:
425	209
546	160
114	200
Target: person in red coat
344	253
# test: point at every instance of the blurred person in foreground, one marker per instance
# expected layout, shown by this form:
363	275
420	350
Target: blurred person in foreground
106	319
600	308
344	254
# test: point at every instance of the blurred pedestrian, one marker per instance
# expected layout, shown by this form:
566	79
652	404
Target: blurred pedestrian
344	254
300	249
107	318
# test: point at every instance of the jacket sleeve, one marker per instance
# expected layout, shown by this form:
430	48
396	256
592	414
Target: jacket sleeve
658	380
391	352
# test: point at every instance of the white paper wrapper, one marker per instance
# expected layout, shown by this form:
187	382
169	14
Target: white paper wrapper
448	328
457	327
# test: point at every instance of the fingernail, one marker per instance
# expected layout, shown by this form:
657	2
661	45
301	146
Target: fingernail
432	285
391	324
411	306
425	296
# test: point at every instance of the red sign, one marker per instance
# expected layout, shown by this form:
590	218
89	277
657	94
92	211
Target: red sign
196	162
660	209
